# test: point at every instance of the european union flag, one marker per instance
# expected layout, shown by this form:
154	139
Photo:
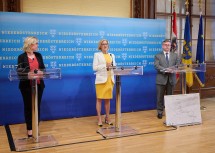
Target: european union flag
200	53
187	51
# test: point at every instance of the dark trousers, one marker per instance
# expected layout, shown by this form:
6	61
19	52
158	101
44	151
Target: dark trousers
161	91
27	99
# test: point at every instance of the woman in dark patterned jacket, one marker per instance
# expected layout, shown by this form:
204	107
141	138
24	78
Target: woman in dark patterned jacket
30	63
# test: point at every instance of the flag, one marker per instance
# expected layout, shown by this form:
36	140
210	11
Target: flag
187	51
174	45
174	33
200	54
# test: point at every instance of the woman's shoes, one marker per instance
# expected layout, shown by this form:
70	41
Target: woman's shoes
107	121
100	124
29	133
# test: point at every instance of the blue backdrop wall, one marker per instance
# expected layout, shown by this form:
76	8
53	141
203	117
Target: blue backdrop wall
69	42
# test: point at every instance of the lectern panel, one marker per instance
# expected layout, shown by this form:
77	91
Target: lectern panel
19	74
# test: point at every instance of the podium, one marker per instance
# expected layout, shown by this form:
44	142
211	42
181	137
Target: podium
183	109
119	130
183	69
36	141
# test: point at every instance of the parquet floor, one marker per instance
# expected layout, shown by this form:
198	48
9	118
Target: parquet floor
78	135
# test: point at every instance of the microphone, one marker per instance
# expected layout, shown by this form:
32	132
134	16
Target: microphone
108	69
112	59
35	71
113	66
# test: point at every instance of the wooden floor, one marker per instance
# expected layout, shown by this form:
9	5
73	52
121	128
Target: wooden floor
78	135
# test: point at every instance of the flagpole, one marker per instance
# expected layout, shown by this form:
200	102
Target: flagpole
183	75
174	44
200	14
173	5
187	6
200	7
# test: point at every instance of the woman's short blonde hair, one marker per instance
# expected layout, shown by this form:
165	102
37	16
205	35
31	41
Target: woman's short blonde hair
28	42
100	43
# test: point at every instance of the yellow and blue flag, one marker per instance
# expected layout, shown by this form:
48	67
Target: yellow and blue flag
200	54
187	51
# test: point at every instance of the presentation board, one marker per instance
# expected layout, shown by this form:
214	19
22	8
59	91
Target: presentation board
183	109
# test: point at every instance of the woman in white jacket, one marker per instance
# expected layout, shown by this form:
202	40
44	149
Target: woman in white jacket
104	82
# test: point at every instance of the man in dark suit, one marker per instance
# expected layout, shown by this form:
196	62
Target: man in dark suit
165	82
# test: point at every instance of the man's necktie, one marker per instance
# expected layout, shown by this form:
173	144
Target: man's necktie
167	59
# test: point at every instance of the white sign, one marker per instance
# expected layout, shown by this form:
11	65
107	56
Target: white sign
182	109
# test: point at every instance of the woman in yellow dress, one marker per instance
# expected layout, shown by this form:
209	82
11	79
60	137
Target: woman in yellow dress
104	82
